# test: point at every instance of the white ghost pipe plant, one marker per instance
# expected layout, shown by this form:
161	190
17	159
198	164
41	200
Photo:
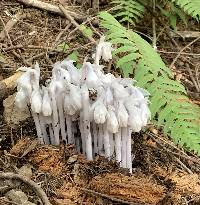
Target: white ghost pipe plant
95	111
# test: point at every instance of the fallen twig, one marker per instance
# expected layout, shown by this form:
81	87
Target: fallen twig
185	34
68	16
180	154
14	53
109	197
50	7
37	189
192	78
10	25
178	55
174	52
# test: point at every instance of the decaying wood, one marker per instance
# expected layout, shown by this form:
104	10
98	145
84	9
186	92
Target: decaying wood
51	8
185	34
37	189
9	84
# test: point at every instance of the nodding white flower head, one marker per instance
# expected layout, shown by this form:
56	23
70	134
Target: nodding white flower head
122	114
46	103
24	82
69	107
119	91
109	96
100	112
112	123
21	99
89	76
108	78
75	97
36	101
103	50
134	120
73	71
145	114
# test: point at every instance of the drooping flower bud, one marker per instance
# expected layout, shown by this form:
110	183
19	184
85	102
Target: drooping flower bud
109	96
21	99
25	83
103	50
134	120
122	115
119	91
145	114
89	76
112	123
36	101
46	103
75	97
73	71
100	112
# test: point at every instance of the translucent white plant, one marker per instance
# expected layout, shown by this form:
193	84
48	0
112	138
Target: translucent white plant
95	111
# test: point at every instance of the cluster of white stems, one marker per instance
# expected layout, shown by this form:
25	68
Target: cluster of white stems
95	111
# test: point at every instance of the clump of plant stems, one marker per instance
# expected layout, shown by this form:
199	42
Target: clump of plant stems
95	111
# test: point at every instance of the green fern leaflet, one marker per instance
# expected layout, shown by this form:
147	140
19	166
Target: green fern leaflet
192	7
170	106
129	11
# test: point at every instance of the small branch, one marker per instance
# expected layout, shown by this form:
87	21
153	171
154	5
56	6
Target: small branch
109	197
192	78
49	7
174	52
10	25
37	189
68	16
14	53
154	25
178	55
185	34
180	154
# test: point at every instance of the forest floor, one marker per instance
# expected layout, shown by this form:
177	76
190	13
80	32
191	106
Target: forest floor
162	172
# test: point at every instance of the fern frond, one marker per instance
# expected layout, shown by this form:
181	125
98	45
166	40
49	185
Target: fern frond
170	106
192	7
128	11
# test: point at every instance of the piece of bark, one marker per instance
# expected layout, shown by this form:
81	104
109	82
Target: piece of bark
52	8
8	85
185	34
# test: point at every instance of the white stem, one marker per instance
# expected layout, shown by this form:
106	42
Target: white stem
61	115
82	133
112	145
38	127
55	118
118	146
43	129
52	138
69	130
124	139
128	150
100	139
95	137
77	142
106	141
86	122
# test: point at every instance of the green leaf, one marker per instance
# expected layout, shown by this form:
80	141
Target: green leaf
128	58
73	56
63	47
87	31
